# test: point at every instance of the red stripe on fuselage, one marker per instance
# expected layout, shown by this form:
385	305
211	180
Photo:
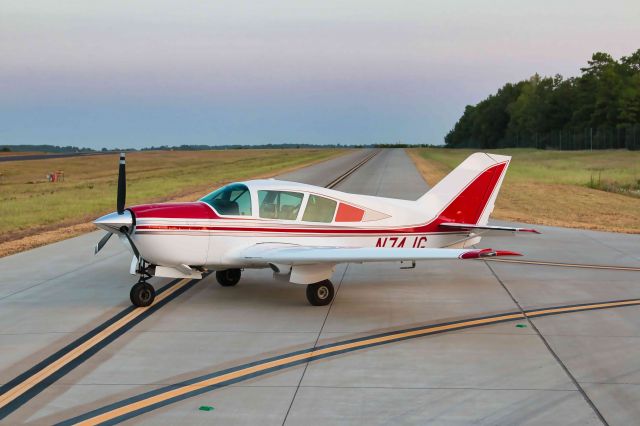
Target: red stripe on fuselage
417	229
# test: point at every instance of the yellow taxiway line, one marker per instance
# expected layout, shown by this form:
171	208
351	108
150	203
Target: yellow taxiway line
136	405
81	349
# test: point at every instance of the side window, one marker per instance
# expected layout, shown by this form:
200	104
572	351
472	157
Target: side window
279	204
319	209
347	213
231	200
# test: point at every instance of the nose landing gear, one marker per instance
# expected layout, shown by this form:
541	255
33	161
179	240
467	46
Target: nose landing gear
142	294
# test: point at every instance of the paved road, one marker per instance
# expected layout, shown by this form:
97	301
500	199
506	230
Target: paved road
547	372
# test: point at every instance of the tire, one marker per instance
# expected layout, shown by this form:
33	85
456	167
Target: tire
228	277
320	294
142	294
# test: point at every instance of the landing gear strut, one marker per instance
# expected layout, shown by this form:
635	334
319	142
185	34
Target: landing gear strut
228	277
320	294
142	293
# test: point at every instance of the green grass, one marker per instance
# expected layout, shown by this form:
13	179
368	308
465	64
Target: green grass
29	203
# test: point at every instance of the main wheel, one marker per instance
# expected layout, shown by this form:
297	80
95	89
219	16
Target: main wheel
320	294
228	277
142	294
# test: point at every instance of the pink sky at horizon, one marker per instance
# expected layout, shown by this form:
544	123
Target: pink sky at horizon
402	70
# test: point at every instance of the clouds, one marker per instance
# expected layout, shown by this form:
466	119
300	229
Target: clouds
417	63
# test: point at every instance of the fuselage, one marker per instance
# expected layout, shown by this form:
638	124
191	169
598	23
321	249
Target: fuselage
207	232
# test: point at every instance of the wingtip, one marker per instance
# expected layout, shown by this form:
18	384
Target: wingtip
505	253
482	253
533	231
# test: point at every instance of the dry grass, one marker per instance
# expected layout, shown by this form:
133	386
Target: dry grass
35	212
552	187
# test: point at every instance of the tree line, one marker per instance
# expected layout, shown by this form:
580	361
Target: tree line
74	149
603	102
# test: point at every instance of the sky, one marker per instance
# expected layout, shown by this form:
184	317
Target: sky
155	72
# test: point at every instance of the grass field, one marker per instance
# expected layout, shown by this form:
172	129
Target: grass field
30	205
578	189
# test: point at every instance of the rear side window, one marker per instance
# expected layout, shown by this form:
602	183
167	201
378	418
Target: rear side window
230	200
283	205
319	209
347	213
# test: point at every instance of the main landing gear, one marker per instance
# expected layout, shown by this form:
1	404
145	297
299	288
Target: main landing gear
142	293
320	294
228	277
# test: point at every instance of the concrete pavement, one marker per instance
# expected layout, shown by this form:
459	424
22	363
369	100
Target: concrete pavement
497	374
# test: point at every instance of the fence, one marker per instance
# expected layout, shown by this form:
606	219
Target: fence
623	137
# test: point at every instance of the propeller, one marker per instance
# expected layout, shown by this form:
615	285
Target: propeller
125	232
102	242
122	220
122	184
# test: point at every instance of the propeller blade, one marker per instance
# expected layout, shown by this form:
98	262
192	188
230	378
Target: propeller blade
102	242
122	184
125	232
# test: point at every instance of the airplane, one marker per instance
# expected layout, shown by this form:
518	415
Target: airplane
301	232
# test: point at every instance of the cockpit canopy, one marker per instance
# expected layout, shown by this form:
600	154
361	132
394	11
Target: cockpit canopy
237	199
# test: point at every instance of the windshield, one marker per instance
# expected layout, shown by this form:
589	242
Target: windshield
230	200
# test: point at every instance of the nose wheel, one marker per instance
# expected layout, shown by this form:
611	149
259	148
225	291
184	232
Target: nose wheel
142	294
320	294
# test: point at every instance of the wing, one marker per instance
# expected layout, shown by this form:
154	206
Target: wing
293	255
485	229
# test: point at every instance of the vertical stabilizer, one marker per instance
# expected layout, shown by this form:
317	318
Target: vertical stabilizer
468	193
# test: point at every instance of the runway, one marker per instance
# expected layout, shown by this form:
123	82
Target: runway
576	366
27	157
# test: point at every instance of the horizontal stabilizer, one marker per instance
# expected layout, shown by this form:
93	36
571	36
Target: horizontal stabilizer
483	229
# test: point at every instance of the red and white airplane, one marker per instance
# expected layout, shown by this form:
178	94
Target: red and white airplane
303	231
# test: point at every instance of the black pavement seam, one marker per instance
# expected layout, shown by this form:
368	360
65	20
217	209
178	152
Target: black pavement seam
550	349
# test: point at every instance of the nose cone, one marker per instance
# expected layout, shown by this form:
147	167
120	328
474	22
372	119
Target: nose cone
112	222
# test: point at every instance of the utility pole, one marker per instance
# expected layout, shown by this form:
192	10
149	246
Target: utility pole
591	137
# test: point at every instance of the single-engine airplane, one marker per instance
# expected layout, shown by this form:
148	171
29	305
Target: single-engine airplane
303	231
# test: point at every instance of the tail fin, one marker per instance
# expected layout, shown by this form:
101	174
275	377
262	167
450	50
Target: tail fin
468	193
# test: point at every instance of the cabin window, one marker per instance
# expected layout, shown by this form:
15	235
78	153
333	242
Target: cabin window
347	213
230	200
319	209
283	205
